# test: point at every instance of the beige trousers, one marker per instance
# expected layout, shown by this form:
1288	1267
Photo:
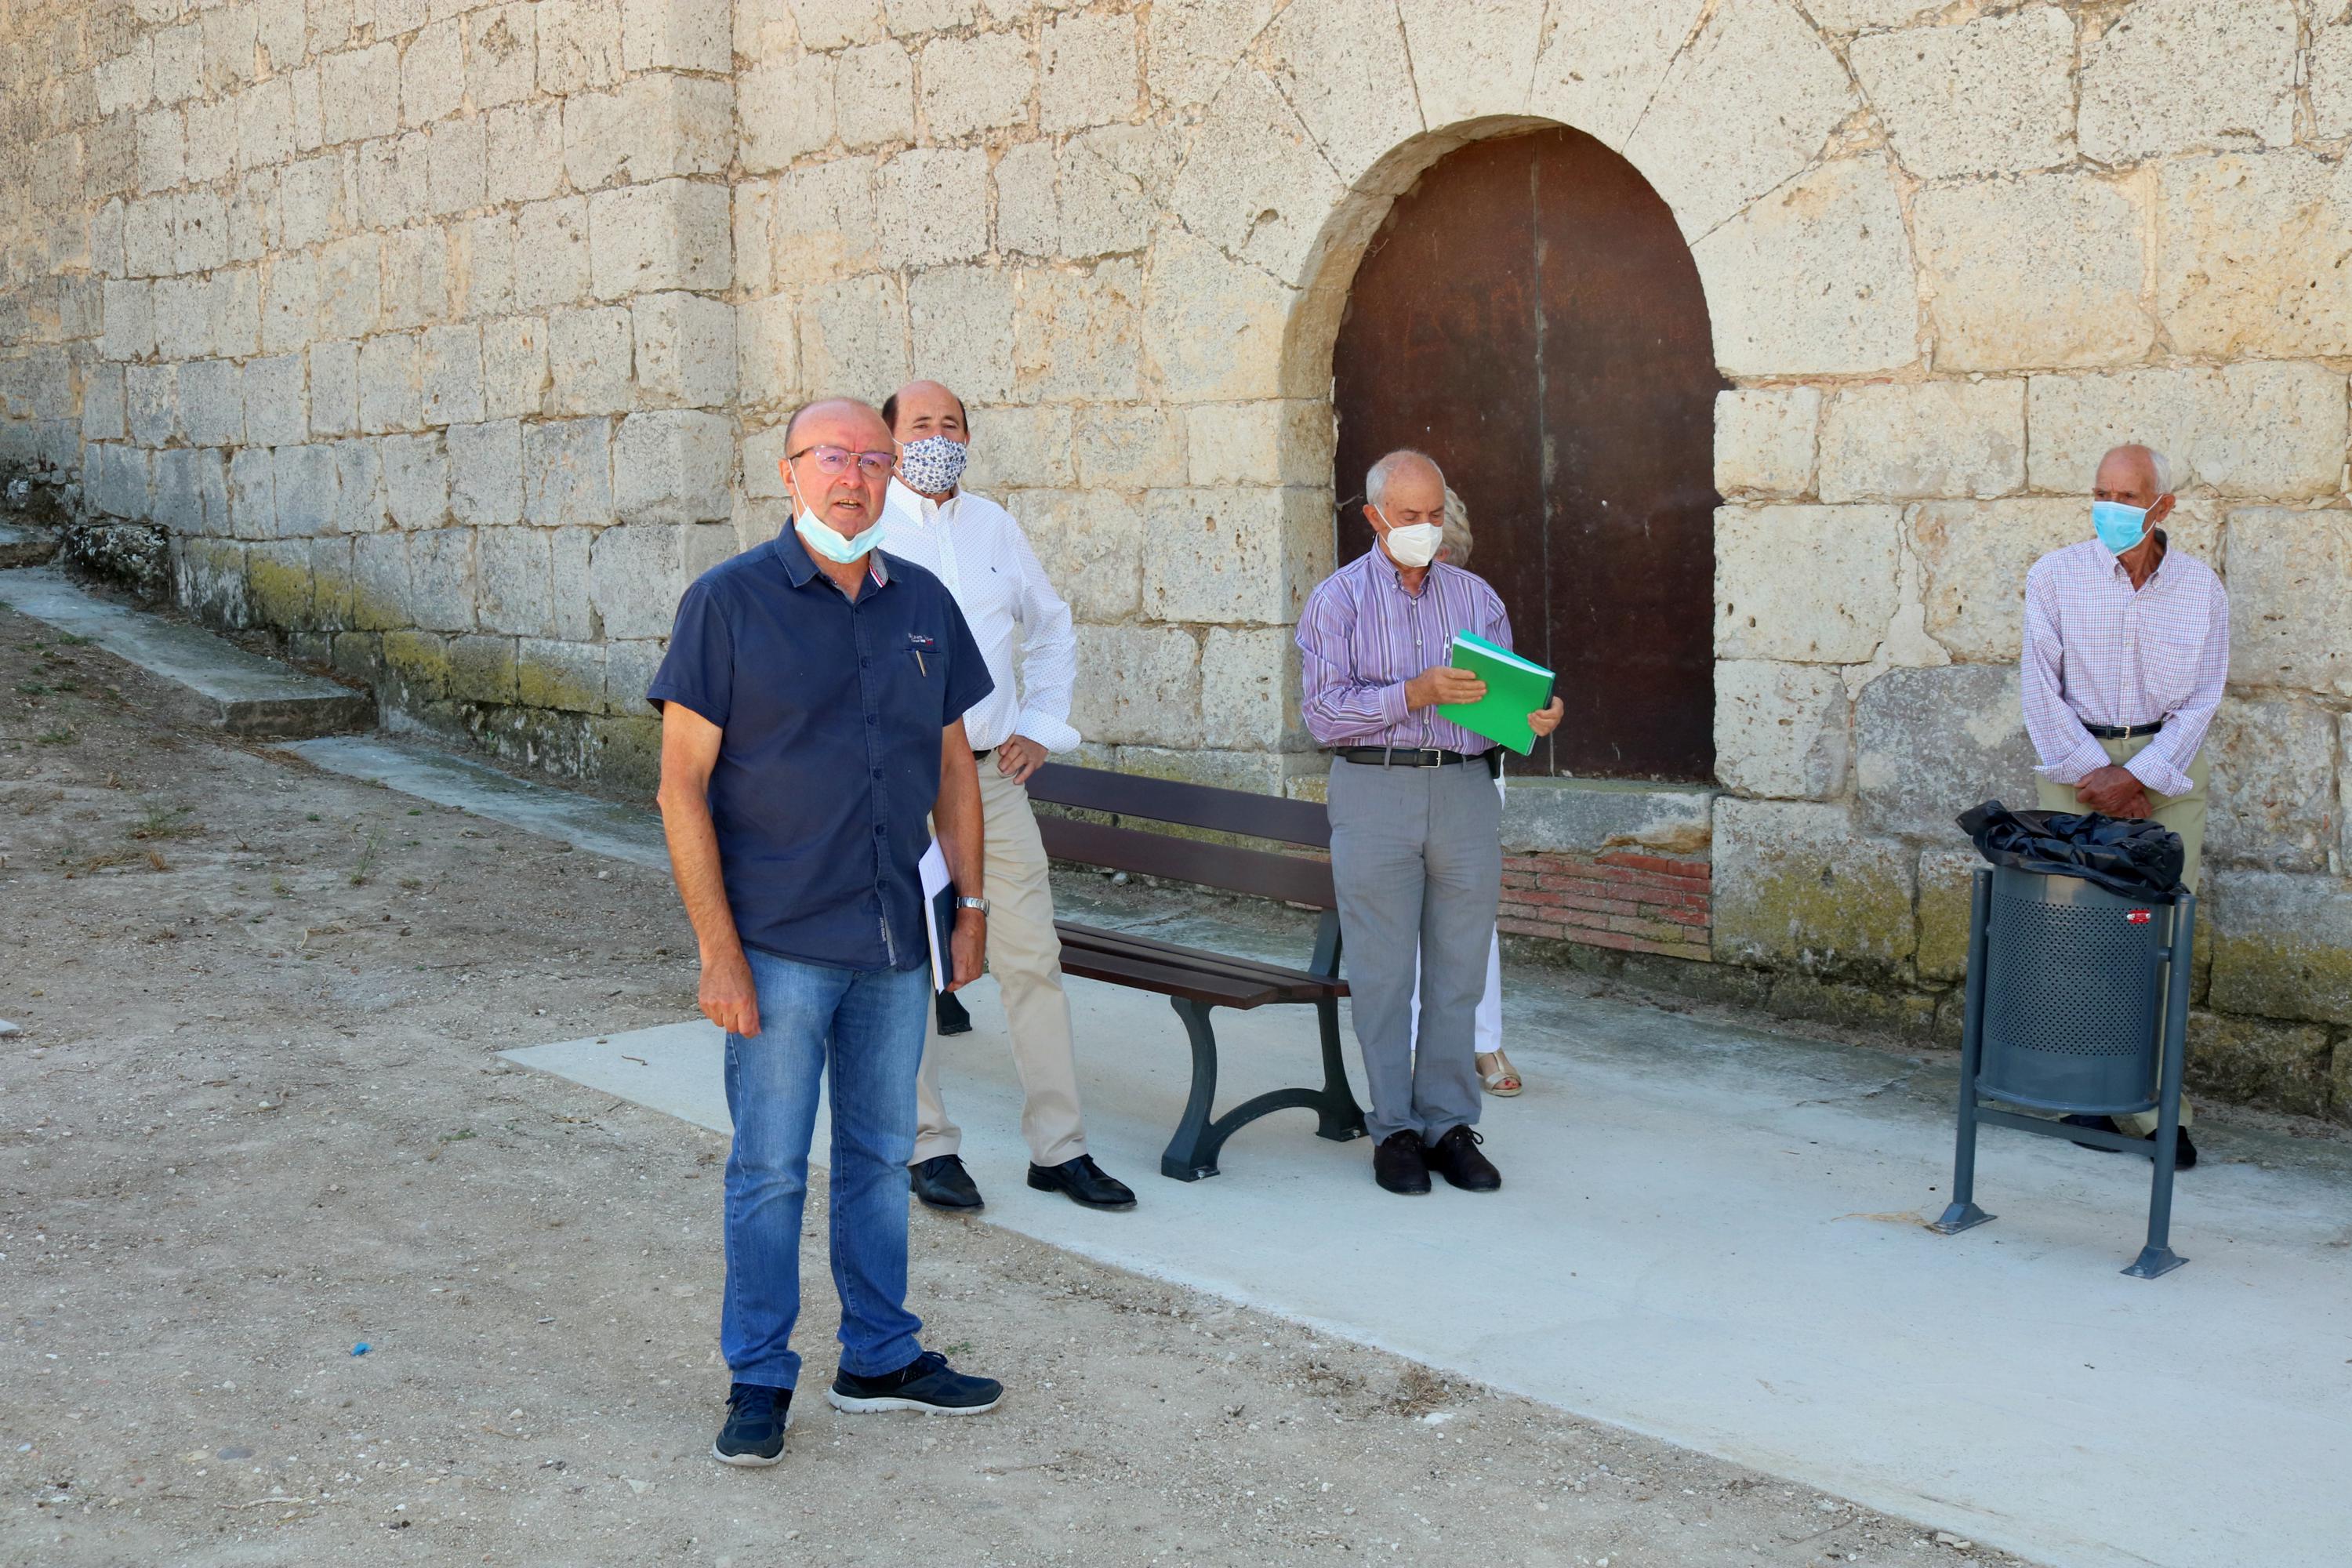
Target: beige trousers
1025	956
2185	815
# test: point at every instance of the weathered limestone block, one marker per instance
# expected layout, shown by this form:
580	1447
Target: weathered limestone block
2251	260
685	348
1256	772
449	374
1810	584
184	328
1254	181
962	317
2172	75
1780	730
212	404
486	262
485	475
289	305
635	574
415	480
1711	141
568	677
119	486
330	583
517	581
589	360
502	54
2270	430
2281	946
579	45
104	410
2272	793
1076	335
523	150
441	592
1089	71
2290	599
359	505
1212	326
1797	886
162	149
380	582
1343	66
1930	743
148	249
514	367
933	203
1895	442
2331	88
973	84
1988	97
1470	57
359	93
651	127
154	394
433	74
853	336
1947	879
1113	183
307	491
1250	689
1973	558
1130	449
671	234
179	500
415	276
252	494
1815	278
672	465
1020	445
2251	1061
1145	685
567	473
825	225
677	35
309	201
482	670
1192	47
2041	270
629	670
786	108
1090	542
576	605
877	84
279	586
1765	439
208	580
1288	442
1232	555
129	321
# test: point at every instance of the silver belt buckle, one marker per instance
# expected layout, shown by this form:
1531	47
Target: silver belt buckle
1436	755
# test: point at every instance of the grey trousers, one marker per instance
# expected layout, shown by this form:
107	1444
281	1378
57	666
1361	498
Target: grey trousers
1417	859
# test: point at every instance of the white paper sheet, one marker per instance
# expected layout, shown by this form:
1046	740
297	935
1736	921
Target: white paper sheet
933	870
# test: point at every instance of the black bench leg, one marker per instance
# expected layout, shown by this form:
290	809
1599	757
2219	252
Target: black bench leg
1337	1116
1192	1152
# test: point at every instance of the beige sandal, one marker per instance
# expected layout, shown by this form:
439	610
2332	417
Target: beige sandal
1501	1079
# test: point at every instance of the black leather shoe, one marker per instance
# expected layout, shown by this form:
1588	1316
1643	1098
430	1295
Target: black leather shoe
1400	1165
953	1018
2184	1152
1083	1183
1455	1157
942	1182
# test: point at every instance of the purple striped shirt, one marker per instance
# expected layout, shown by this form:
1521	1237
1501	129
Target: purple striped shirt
1363	636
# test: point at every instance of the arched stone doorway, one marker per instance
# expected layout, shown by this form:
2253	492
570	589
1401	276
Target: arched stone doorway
1529	314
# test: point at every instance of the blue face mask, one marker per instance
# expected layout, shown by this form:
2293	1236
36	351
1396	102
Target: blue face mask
831	545
2119	526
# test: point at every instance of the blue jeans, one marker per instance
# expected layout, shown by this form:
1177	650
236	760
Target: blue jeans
867	1025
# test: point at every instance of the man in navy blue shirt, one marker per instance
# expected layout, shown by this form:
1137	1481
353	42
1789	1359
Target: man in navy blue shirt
812	718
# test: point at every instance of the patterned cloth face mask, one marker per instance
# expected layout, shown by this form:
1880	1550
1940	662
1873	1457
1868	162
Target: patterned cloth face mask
933	464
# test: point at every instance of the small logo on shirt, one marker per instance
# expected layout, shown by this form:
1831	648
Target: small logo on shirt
917	639
2139	917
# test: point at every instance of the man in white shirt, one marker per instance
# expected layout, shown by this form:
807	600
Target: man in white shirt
976	548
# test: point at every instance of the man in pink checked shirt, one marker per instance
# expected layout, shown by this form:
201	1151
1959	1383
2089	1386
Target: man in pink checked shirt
2127	649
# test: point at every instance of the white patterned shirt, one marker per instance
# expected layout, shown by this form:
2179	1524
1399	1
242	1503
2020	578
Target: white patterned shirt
2099	652
975	547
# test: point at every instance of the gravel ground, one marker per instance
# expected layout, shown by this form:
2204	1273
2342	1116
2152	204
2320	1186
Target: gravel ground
252	1118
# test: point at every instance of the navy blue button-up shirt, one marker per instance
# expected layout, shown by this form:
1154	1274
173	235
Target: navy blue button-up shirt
829	763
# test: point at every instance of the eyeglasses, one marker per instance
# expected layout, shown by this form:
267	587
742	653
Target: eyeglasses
837	461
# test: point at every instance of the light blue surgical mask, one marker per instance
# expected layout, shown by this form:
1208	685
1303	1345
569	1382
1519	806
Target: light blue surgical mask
2119	526
831	545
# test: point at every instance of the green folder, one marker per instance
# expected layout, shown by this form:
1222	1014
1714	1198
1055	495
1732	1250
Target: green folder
1514	688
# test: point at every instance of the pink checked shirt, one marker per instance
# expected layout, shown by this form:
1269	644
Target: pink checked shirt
2097	652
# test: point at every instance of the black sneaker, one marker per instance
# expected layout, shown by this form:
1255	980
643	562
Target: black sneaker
1086	1183
927	1384
756	1418
942	1182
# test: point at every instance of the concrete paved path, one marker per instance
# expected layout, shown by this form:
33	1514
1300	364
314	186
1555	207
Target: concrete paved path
1713	1235
241	692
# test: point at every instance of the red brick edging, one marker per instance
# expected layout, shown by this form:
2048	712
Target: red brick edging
1635	903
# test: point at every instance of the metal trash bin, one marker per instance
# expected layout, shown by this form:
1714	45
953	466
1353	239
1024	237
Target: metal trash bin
2077	1002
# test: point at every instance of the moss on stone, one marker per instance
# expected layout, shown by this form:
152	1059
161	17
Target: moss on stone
280	592
2255	1061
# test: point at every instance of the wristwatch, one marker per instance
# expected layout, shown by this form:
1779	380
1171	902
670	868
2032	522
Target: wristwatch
979	904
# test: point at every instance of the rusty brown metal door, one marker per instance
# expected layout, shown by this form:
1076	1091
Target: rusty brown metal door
1530	315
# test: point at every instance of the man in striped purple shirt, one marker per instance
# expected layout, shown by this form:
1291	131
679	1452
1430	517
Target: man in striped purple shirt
1416	827
2127	649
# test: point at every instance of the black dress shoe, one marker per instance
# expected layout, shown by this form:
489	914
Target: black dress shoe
1083	1183
953	1018
1455	1157
2184	1152
1400	1165
942	1182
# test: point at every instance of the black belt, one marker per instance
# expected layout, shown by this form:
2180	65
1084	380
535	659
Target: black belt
982	755
1416	757
2123	731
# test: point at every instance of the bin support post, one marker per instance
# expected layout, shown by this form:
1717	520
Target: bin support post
2158	1257
1962	1211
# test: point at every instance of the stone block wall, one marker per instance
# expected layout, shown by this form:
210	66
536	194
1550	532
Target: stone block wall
449	339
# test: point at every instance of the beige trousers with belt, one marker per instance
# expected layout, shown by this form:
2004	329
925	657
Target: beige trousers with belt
1025	956
2185	815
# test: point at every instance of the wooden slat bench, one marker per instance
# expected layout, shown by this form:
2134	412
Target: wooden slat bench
1195	980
